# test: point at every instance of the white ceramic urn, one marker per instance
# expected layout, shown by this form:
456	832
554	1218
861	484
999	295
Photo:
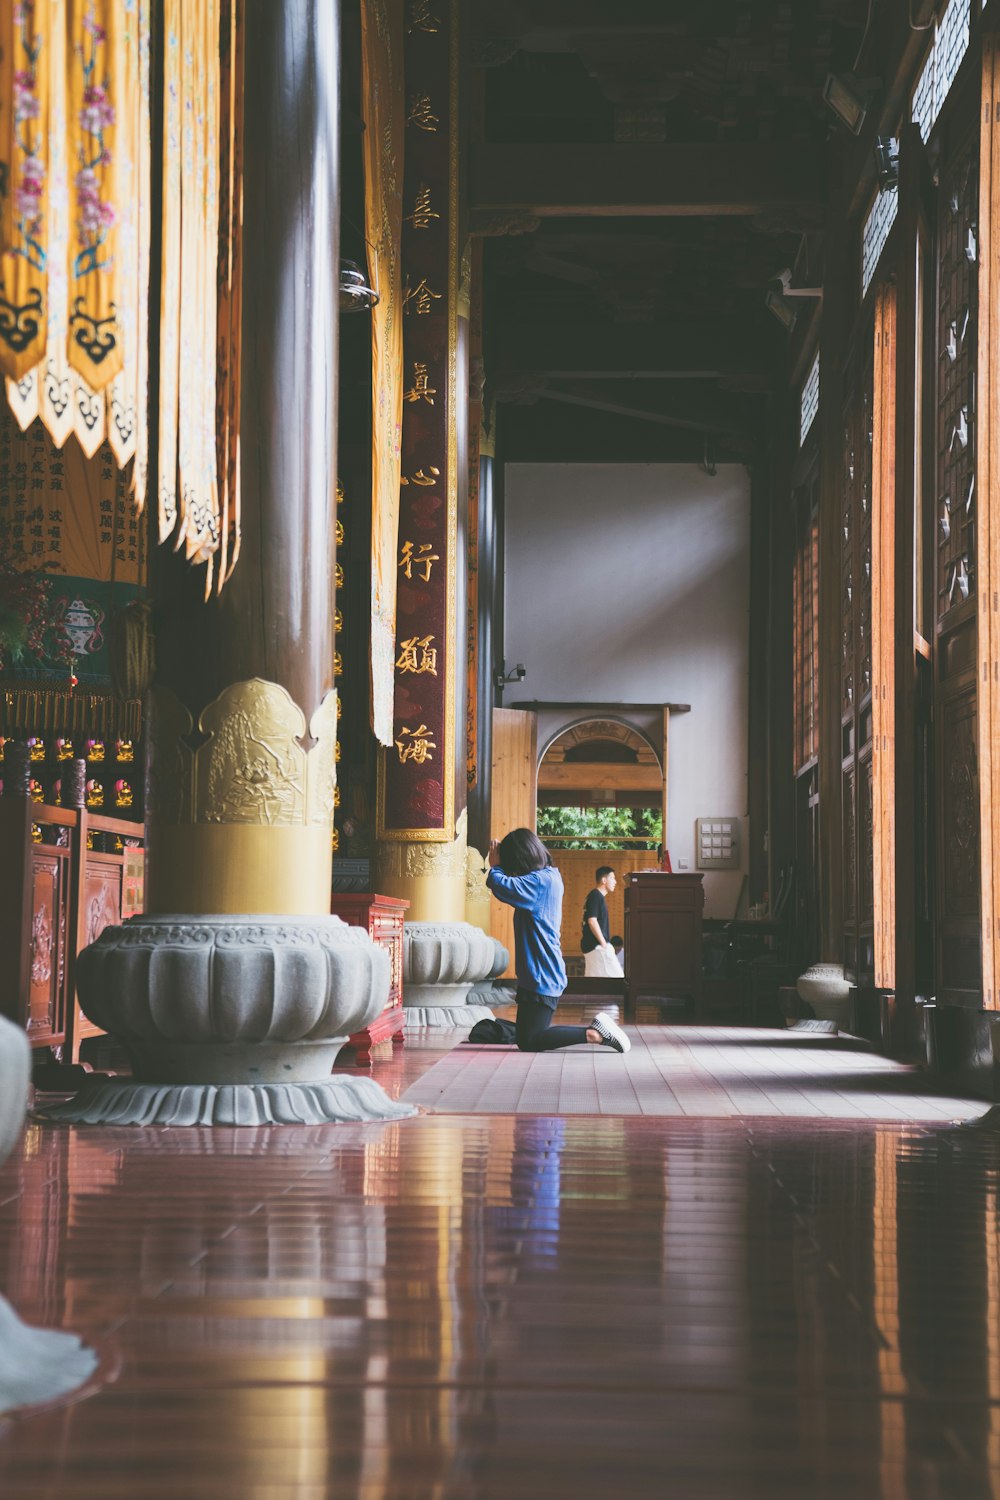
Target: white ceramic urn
824	988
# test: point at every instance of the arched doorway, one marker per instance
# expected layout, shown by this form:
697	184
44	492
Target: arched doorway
600	800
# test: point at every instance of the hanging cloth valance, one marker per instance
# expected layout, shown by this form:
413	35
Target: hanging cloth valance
75	221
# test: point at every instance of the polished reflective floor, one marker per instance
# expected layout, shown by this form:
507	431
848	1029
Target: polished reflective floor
469	1307
708	1071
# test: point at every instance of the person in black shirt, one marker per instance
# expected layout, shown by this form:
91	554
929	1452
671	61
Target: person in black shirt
599	956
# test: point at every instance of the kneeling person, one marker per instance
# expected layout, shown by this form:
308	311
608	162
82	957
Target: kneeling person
523	876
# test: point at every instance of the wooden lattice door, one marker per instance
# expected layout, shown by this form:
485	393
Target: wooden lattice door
955	569
856	664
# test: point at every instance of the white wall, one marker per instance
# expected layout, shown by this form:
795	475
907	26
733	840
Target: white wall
630	583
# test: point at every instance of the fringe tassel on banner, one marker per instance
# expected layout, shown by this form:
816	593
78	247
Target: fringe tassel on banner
33	710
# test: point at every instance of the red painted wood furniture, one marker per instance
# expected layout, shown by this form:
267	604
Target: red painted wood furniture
57	896
663	938
382	918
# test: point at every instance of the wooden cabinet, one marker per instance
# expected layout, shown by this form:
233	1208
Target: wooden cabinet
382	918
663	937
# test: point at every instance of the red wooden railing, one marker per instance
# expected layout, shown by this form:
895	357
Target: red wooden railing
56	896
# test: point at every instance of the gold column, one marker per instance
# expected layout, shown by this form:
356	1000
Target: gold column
242	822
242	723
430	876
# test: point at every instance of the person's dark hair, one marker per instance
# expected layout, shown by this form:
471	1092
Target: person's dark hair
603	870
522	851
617	942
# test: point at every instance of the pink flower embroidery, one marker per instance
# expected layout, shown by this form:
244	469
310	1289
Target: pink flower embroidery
29	193
94	213
98	111
26	105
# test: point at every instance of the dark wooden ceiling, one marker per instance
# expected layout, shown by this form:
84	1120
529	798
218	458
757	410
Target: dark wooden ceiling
641	169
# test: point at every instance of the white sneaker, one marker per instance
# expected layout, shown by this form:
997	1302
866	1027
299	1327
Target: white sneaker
610	1034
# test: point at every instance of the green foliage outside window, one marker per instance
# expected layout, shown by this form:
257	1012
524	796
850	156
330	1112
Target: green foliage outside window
601	827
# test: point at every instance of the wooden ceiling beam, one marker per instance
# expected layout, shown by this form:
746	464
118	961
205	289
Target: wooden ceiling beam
592	776
679	351
729	424
645	180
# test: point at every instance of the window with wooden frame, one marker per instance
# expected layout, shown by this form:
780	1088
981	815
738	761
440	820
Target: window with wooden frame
875	232
949	44
809	401
805	625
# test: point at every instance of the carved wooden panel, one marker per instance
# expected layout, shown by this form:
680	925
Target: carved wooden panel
865	840
47	974
850	848
986	524
102	898
847	563
856	652
805	622
958	840
960	807
958	264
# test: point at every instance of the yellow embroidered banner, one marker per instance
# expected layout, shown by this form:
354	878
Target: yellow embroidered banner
230	309
198	486
200	201
98	124
75	223
170	276
126	400
25	65
382	79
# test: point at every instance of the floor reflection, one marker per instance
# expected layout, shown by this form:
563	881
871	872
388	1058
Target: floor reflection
476	1307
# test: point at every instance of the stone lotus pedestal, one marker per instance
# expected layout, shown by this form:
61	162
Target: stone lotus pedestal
232	1020
484	993
37	1365
443	962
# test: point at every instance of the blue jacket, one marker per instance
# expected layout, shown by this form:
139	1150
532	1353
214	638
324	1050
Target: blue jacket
537	901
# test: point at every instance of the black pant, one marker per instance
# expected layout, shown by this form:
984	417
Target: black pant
535	1032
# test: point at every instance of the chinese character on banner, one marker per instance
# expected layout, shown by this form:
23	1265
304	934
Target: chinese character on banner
421	18
422	115
415	745
419	298
423	214
417	655
423	477
421	557
421	389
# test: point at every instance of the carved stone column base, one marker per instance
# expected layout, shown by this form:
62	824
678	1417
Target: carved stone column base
442	962
336	1101
39	1365
446	1017
231	1020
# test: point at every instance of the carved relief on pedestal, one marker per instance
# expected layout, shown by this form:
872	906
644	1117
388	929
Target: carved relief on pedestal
258	762
410	861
